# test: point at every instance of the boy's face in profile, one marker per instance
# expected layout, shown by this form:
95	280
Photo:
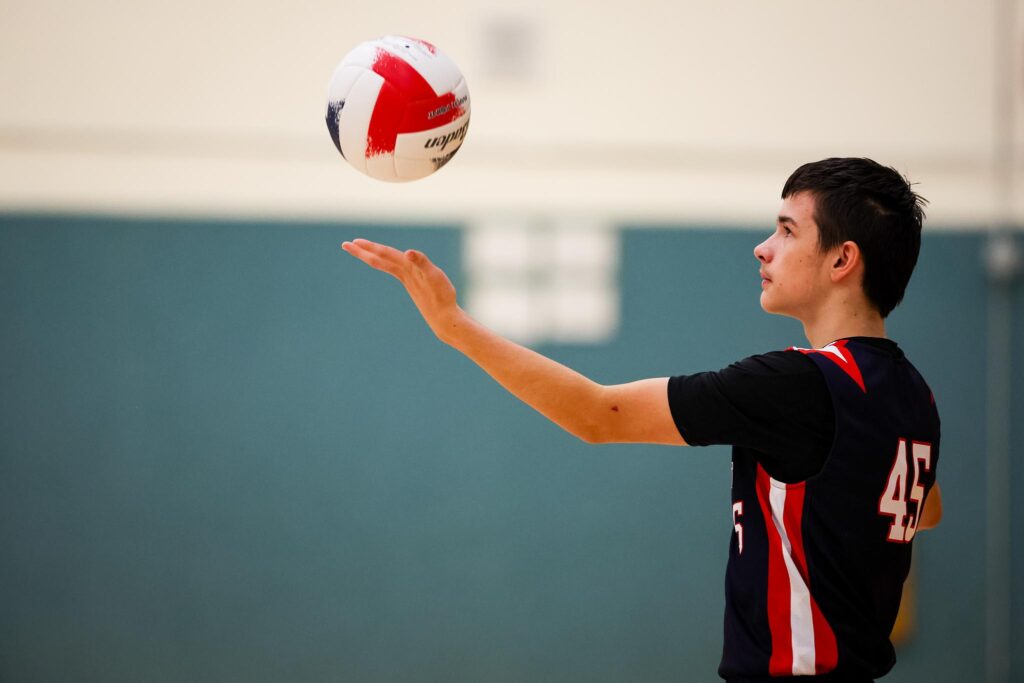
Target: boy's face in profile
794	272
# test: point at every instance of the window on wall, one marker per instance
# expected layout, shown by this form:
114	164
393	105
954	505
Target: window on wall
544	280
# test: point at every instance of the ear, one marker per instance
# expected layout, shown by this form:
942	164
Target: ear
846	260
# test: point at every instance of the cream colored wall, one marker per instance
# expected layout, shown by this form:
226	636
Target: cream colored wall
647	110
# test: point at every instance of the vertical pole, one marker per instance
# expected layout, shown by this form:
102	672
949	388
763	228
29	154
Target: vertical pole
997	488
1003	263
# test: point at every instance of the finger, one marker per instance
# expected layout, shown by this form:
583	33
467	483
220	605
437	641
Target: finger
371	259
381	250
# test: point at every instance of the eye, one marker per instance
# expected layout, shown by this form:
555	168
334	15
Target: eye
787	230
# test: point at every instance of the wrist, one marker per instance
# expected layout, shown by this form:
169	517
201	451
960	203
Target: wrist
452	326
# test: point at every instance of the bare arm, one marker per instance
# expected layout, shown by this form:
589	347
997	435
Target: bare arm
637	412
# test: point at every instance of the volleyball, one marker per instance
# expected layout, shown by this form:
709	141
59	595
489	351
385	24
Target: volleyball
397	108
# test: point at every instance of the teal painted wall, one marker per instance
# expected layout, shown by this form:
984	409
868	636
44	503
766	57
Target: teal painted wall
230	452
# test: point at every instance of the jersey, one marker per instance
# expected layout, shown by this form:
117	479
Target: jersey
816	568
776	402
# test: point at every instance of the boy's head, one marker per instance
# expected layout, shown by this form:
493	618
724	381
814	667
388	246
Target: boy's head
861	201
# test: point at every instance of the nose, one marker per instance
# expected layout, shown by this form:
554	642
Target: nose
762	253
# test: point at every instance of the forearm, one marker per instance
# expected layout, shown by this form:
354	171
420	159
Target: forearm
637	412
561	394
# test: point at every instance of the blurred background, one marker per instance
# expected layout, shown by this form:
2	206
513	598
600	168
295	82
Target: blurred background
230	452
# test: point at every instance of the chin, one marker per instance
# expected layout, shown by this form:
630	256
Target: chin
773	307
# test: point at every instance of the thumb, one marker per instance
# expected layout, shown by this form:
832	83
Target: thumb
415	257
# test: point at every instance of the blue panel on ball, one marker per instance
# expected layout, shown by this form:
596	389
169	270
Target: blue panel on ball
333	112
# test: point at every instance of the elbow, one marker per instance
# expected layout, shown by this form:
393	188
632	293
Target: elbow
597	424
932	511
931	520
592	432
590	436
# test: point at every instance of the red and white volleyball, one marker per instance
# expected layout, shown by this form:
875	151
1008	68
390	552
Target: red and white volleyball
397	108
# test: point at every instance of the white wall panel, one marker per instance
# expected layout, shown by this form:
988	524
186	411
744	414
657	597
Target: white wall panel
648	109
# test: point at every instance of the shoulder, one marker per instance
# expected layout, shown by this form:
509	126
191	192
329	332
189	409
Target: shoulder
775	402
785	378
788	362
772	376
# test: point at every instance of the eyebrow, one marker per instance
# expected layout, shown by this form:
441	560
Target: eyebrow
786	219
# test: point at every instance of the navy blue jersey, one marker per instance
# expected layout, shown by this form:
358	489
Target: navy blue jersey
816	567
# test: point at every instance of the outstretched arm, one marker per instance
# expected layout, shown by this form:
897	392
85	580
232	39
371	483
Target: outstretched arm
637	412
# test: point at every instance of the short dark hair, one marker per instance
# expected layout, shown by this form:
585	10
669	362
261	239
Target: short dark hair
873	205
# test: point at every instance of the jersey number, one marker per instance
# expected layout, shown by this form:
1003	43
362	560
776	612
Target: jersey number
737	512
896	496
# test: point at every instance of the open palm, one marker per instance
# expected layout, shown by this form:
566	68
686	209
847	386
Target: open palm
427	285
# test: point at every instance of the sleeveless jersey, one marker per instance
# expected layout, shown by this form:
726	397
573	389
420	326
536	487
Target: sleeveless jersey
816	568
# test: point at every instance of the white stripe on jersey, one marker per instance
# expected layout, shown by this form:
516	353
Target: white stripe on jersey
801	623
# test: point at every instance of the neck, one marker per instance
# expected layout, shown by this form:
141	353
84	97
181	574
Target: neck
843	319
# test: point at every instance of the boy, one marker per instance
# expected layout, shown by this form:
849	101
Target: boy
835	447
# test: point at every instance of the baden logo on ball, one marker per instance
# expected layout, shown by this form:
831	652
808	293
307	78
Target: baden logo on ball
397	108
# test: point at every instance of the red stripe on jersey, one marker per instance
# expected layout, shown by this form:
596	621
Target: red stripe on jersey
825	652
781	660
405	104
841	356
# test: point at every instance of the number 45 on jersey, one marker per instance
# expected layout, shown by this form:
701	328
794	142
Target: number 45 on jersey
897	495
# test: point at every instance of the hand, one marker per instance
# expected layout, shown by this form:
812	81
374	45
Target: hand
427	285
